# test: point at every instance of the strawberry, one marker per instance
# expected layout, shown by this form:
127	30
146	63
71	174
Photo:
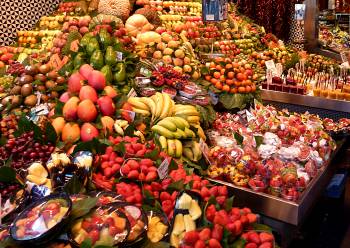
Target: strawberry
164	196
138	198
221	199
266	237
86	225
217	232
222	190
119	160
213	191
156	186
134	165
254	237
140	153
210	213
125	169
116	167
238	227
191	237
252	218
167	206
244	220
151	176
107	172
134	174
213	243
147	162
142	176
221	218
236	211
104	165
266	245
246	210
137	147
251	245
205	192
173	196
205	234
199	244
94	235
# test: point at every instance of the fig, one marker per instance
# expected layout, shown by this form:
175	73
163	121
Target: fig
26	90
30	100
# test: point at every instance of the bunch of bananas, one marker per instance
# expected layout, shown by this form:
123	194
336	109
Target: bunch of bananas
159	106
192	151
188	112
121	125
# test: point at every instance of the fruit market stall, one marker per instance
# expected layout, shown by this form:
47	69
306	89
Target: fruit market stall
136	124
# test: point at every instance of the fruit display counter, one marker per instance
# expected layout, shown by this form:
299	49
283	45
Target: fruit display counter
126	124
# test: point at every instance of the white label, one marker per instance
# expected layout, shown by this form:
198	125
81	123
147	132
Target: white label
132	93
210	17
346	64
270	64
163	169
269	76
130	113
279	69
145	72
119	56
205	149
343	56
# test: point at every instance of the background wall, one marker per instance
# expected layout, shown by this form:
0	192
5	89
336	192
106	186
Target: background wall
21	15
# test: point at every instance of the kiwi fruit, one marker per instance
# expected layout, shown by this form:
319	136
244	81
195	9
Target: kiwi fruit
25	79
60	80
30	100
41	77
50	84
26	90
53	75
16	100
16	90
44	68
41	88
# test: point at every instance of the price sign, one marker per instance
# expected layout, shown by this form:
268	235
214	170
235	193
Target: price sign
270	64
344	58
279	69
205	149
163	169
119	56
145	72
132	93
269	76
214	10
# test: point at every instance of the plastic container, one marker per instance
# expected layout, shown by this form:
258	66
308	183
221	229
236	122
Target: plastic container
158	226
109	226
42	220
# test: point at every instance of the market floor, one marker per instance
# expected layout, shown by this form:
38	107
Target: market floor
329	224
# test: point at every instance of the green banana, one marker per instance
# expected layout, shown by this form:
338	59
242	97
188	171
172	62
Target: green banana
162	131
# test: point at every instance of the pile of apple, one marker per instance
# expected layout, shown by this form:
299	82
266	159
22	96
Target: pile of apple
51	22
231	76
83	101
37	39
67	7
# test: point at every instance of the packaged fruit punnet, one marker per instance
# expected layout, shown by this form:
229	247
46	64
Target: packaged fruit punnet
158	226
105	226
42	220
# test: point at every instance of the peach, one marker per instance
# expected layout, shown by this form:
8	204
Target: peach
87	111
106	105
70	109
88	132
71	132
75	82
87	92
97	80
58	124
107	123
110	91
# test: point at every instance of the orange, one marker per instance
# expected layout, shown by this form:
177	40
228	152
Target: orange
235	65
230	74
248	89
222	78
219	59
233	90
218	67
228	66
229	81
222	71
217	75
226	88
218	85
207	77
2	64
253	88
214	81
237	83
212	65
241	89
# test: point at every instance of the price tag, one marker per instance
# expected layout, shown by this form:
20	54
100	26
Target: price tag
130	113
344	58
132	93
142	81
346	64
269	76
270	64
163	169
119	56
279	69
205	149
145	72
214	97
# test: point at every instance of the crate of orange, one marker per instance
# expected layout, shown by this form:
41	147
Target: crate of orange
231	76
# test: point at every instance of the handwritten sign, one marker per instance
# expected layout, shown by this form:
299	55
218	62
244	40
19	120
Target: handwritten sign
163	169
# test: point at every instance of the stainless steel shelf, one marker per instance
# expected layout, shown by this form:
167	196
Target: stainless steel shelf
279	209
310	101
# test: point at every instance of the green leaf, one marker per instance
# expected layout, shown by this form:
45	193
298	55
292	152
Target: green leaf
74	186
59	108
239	243
3	141
229	203
176	186
152	155
232	101
239	138
93	146
258	140
83	207
120	148
50	133
261	227
87	243
103	246
7	174
130	131
173	165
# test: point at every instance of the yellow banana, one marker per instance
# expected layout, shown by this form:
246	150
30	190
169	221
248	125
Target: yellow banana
168	124
159	102
180	107
180	122
189	133
162	131
149	102
118	129
188	153
193	119
182	133
163	143
167	106
171	148
187	112
141	111
137	103
196	150
178	145
200	132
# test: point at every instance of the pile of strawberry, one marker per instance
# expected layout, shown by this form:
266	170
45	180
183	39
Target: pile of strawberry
203	238
253	239
235	221
142	170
